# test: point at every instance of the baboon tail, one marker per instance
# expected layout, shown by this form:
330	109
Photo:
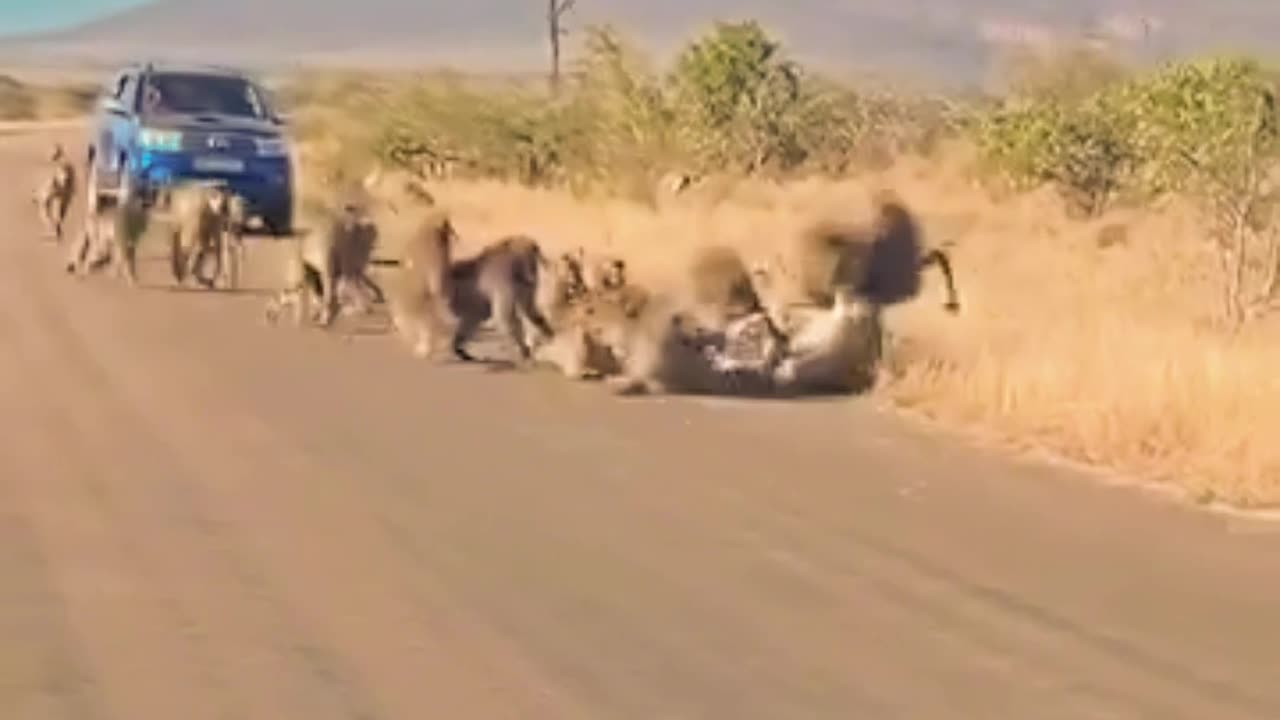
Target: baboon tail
939	257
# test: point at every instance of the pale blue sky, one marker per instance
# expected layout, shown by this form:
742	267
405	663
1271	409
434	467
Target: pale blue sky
24	16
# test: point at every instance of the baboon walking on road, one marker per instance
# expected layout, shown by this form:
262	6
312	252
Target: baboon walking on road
499	283
419	290
56	193
208	223
336	253
111	232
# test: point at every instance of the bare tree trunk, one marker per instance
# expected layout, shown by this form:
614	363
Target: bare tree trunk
556	10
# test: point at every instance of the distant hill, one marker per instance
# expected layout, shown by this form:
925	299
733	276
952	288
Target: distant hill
949	40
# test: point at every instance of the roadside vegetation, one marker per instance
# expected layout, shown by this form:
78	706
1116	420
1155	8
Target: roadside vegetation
26	101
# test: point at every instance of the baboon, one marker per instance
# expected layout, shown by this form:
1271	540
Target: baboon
335	252
575	350
420	288
836	351
661	350
722	291
110	232
881	263
499	283
605	272
56	193
202	217
563	286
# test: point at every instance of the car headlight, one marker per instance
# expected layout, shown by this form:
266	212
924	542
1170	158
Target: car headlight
164	140
272	147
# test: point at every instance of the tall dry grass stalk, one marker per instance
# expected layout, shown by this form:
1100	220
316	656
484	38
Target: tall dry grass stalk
1087	338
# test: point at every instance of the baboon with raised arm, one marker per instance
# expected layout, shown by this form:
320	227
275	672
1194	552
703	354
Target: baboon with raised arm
56	192
499	283
420	287
882	262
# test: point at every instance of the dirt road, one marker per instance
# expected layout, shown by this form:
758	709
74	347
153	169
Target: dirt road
201	517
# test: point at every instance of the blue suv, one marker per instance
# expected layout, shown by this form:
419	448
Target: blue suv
155	125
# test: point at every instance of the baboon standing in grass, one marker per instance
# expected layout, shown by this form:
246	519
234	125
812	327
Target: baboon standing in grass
420	288
56	193
499	283
334	253
881	263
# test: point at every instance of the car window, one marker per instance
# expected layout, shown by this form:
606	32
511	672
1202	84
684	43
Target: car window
193	94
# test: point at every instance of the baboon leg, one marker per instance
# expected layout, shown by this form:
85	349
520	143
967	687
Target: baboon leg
468	323
506	315
177	258
126	265
79	251
374	291
939	258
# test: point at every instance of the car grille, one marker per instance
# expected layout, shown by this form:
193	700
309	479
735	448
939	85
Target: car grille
200	142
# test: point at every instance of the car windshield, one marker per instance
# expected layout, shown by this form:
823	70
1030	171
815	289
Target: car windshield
195	94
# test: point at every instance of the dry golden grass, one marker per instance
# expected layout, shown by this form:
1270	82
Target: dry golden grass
1084	338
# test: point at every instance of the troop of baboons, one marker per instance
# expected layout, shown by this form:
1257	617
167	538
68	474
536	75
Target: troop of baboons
714	333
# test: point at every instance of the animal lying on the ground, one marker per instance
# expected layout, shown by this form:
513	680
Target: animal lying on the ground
207	222
110	232
420	288
336	251
722	292
882	263
56	191
657	348
500	283
836	351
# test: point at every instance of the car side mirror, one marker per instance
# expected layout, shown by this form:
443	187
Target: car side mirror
112	106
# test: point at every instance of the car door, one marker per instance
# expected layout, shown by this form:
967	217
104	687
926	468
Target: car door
107	115
123	124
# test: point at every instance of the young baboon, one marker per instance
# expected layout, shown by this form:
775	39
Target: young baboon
563	286
420	288
111	232
499	283
835	352
202	217
336	251
881	263
56	192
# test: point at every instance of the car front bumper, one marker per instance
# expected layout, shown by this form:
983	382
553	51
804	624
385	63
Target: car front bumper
265	183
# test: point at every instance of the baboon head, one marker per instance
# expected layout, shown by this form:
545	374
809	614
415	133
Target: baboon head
438	226
613	273
568	273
